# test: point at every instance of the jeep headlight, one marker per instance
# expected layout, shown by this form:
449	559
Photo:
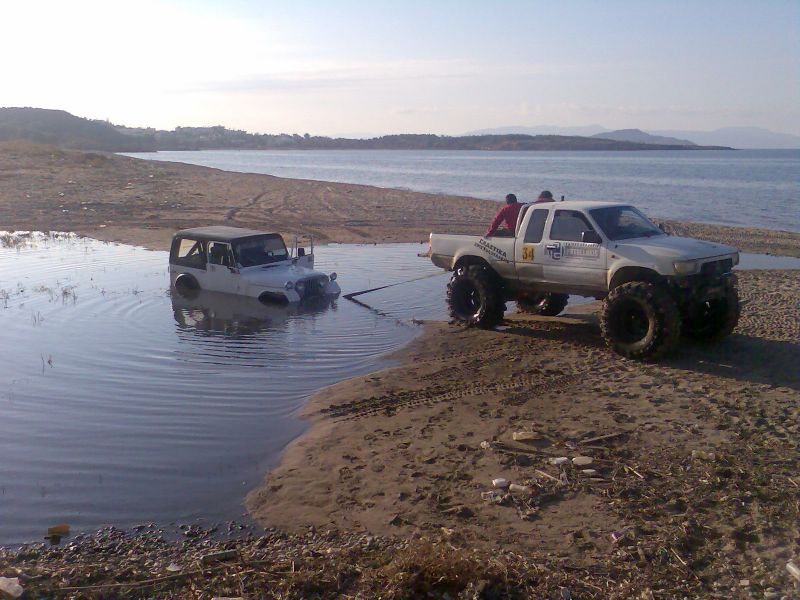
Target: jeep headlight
289	285
300	286
686	267
735	259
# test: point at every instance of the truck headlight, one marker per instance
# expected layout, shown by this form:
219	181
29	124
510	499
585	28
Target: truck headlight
333	275
735	259
686	267
289	285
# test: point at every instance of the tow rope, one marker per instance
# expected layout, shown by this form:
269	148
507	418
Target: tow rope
383	287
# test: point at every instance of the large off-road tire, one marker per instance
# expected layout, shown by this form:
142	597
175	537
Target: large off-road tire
474	297
548	305
640	320
715	319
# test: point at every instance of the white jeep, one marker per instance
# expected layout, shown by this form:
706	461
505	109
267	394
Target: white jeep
246	262
654	285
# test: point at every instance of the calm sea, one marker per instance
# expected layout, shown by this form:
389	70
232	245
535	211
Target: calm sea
755	188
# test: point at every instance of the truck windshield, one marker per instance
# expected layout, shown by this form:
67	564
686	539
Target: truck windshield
624	223
262	250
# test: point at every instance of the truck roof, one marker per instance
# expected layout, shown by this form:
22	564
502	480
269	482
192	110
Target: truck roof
579	204
220	233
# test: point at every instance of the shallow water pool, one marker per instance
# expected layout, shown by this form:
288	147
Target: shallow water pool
121	404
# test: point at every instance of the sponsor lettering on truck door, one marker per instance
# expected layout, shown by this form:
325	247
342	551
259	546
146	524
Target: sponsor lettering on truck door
574	251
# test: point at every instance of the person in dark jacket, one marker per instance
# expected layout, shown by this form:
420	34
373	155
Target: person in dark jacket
508	215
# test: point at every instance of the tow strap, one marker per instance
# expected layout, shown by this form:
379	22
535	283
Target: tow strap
383	287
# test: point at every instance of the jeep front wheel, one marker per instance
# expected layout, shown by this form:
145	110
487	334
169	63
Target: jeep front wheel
640	320
474	298
714	319
548	305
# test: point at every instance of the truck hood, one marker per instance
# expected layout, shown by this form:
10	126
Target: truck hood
677	248
277	275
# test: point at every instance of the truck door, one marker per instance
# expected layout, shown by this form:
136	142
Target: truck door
568	259
529	247
221	276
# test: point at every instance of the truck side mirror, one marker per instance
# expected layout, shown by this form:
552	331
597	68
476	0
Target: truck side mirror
591	237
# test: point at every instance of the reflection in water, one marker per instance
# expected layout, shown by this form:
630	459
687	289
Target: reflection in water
234	316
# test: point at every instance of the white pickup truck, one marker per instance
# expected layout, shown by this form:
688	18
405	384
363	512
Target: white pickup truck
654	285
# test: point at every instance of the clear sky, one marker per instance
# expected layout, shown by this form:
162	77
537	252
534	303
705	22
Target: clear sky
347	67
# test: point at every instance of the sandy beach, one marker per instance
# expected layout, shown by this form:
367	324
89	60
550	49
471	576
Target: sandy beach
687	483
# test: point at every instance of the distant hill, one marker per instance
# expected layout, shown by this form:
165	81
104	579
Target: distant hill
735	137
740	137
60	128
63	129
204	138
639	136
579	130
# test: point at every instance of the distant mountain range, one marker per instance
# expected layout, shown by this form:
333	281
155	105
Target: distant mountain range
60	128
736	137
639	136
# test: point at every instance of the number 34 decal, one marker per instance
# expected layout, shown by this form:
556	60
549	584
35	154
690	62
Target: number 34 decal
527	252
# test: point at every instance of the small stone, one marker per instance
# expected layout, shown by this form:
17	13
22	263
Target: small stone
486	445
589	472
10	587
744	583
581	461
524	436
702	455
500	482
558	460
793	569
173	568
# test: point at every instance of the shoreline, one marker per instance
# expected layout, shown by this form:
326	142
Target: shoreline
693	458
140	202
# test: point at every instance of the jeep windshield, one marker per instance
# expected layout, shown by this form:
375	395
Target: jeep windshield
624	223
260	250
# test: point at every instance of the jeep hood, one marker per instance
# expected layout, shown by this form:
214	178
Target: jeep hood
277	275
677	248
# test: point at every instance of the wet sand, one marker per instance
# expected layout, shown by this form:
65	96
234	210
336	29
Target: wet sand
695	458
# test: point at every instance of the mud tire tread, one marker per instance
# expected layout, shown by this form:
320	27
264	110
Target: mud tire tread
547	305
486	284
663	316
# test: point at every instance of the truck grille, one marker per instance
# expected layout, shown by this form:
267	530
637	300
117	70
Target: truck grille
717	267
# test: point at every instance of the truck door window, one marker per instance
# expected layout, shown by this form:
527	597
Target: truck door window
533	235
219	254
568	225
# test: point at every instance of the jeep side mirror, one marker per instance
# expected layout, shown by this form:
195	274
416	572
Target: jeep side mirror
662	228
301	252
591	237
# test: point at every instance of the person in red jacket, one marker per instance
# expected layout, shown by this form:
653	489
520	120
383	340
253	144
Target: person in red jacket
508	215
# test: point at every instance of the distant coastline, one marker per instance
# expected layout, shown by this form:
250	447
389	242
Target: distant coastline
60	128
